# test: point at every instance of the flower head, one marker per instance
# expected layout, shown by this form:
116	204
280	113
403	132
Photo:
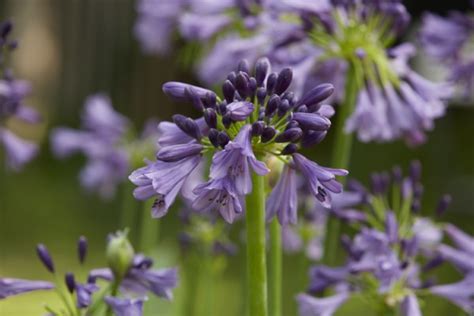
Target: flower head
449	41
18	151
258	118
103	139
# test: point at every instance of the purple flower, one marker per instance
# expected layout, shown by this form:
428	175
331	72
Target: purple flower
125	307
102	141
156	23
141	278
219	194
319	178
460	293
462	240
18	150
163	180
84	294
283	198
239	111
236	160
410	306
447	39
462	260
10	287
196	26
312	306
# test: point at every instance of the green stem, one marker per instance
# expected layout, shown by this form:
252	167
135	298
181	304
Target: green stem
256	261
190	282
206	286
341	156
149	228
129	210
114	291
275	267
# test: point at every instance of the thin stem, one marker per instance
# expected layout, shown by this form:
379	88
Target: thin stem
113	292
341	156
190	284
275	269
129	209
256	261
206	286
149	228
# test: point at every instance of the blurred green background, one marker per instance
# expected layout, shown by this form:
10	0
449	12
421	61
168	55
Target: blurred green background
70	49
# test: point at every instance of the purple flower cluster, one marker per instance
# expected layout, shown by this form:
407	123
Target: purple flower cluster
449	41
256	119
103	139
393	251
18	151
137	280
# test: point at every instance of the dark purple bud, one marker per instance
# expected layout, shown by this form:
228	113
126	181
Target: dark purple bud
244	66
418	190
252	86
311	138
289	149
195	99
416	206
376	183
228	90
211	100
257	128
261	95
82	249
240	110
261	114
210	117
176	91
91	279
316	95
283	81
70	282
283	107
415	171
242	85
268	134
187	125
223	108
391	227
45	257
404	265
223	139
302	108
397	175
290	96
5	29
231	77
227	120
443	204
271	82
261	69
292	124
312	121
290	135
433	263
213	137
177	152
272	105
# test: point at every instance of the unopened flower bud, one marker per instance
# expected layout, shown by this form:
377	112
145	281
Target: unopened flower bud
284	80
82	249
120	254
45	257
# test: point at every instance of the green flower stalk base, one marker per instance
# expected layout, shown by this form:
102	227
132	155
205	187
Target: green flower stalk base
341	157
256	260
275	267
148	232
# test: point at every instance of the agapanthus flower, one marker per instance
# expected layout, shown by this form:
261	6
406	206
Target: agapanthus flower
460	293
104	140
17	150
462	256
125	307
134	272
449	40
393	248
256	119
141	278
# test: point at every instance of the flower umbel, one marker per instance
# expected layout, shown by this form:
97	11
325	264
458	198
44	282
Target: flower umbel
257	119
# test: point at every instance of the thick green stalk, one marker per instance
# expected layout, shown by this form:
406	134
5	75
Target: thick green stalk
206	286
275	269
190	281
256	260
129	210
149	228
341	156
